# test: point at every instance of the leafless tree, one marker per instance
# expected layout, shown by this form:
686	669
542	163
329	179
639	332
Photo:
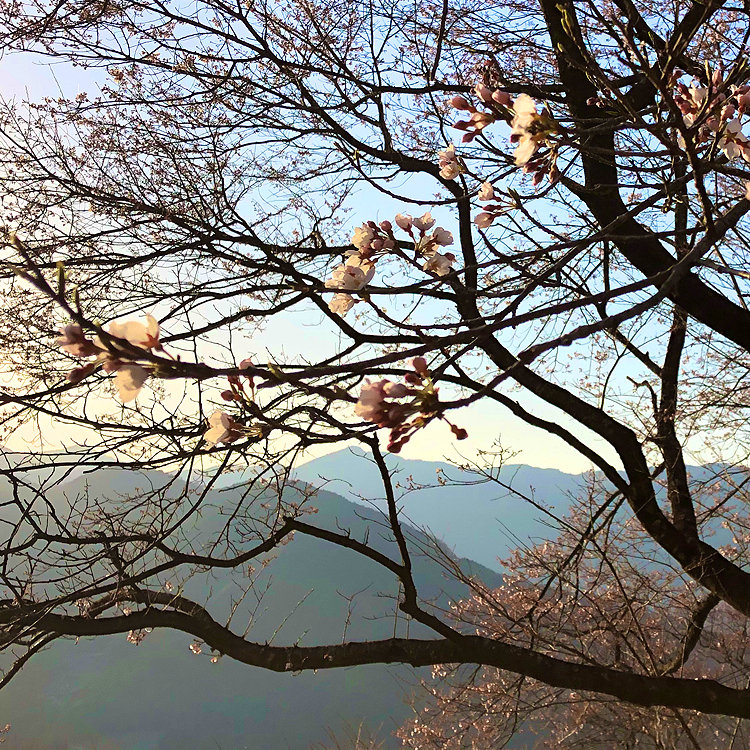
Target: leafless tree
214	182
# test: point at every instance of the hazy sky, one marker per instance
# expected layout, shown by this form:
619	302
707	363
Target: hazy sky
22	75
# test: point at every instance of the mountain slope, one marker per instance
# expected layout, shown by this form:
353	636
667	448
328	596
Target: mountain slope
108	694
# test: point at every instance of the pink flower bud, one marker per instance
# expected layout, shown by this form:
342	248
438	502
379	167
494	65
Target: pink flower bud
502	97
484	219
386	226
459	102
483	92
459	432
228	395
420	365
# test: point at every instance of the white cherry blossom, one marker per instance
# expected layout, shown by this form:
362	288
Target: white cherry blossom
354	274
129	380
486	192
341	303
441	237
404	221
222	429
74	341
440	264
734	142
524	116
145	336
449	164
424	222
363	236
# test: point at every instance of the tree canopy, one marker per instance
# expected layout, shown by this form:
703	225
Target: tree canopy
254	170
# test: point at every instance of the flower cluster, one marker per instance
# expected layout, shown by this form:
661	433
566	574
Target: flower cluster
530	130
382	403
426	244
498	103
373	241
224	428
136	637
715	115
358	269
450	166
489	212
120	354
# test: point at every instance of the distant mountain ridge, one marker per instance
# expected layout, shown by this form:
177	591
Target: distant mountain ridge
480	521
107	694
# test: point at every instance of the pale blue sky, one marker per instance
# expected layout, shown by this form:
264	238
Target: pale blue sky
22	75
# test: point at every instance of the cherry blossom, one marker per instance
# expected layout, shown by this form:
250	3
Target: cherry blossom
404	221
373	405
77	374
690	101
129	380
497	101
474	125
741	95
145	336
424	222
486	192
440	264
136	636
222	429
450	167
354	274
734	142
129	375
523	131
341	303
484	219
363	236
74	341
441	237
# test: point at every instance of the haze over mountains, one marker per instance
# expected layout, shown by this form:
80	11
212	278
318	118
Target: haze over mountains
107	694
479	520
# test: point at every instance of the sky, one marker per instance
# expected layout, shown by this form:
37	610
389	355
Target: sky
24	76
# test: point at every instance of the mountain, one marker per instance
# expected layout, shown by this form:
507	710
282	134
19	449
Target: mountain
481	521
108	694
484	520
